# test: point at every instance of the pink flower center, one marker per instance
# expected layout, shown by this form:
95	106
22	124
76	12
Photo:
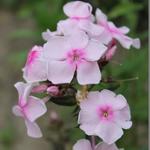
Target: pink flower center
75	57
106	113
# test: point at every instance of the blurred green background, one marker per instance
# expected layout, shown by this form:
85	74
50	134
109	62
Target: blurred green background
21	24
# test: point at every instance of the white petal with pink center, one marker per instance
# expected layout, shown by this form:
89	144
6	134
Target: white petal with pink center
109	112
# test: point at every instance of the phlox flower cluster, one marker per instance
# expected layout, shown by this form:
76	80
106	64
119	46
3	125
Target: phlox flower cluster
74	54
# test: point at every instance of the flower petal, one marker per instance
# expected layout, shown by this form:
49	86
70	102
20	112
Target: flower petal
88	128
36	72
88	73
60	72
104	146
47	35
123	118
100	17
68	26
35	108
124	29
24	90
91	28
125	41
108	97
33	129
136	43
104	129
78	40
88	120
17	111
88	117
95	50
91	101
77	9
105	37
56	48
82	145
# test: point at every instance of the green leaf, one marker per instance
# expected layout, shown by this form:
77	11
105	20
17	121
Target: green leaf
64	100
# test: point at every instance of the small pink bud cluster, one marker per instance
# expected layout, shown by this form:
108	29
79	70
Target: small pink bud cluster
73	53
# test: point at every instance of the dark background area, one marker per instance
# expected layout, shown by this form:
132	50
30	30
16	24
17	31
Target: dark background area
21	24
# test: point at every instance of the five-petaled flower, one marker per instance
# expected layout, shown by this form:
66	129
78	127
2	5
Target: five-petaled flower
78	53
29	108
104	114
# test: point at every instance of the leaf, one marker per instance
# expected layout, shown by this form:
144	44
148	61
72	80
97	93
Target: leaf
64	100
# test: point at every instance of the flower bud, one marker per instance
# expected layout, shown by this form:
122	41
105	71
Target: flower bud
40	88
53	90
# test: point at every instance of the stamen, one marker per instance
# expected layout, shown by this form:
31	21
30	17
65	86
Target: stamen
105	114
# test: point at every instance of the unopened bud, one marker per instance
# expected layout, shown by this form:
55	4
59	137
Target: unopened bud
53	90
40	88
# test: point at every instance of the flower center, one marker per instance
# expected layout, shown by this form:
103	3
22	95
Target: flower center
105	113
75	57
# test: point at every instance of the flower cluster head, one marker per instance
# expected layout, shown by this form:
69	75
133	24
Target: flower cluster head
72	56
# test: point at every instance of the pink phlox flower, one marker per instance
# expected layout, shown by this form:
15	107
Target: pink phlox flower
111	31
86	145
29	108
36	67
104	114
79	18
74	53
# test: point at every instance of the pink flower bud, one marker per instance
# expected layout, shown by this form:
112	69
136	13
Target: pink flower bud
40	88
53	90
110	53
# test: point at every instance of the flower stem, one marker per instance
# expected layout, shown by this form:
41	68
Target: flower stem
120	80
93	142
